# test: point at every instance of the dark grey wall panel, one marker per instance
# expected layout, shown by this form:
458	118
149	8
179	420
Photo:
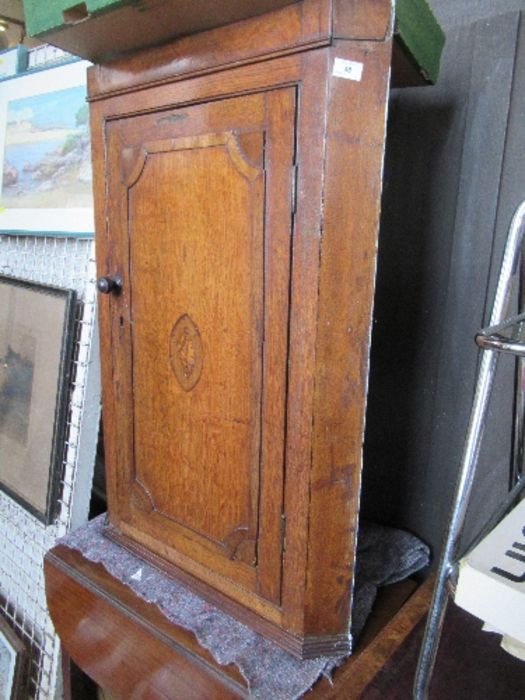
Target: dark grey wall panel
455	12
445	214
512	192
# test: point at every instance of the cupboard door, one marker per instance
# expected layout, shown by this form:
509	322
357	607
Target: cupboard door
200	219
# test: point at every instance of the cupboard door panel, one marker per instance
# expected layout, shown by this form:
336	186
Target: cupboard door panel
203	218
197	333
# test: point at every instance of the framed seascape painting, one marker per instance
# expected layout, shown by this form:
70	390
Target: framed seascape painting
45	178
14	660
36	341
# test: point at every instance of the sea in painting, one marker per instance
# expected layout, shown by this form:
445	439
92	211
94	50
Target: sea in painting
47	161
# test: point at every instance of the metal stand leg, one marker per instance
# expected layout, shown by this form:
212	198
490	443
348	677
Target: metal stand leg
469	461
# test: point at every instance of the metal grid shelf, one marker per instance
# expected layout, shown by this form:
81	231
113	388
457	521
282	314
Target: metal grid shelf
68	263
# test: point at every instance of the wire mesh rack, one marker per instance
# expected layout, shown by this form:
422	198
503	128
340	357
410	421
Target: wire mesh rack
69	263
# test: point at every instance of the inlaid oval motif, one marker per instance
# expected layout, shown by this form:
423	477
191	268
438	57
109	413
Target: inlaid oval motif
186	352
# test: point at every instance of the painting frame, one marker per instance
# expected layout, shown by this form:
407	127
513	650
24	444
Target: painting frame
13	61
45	190
14	663
37	338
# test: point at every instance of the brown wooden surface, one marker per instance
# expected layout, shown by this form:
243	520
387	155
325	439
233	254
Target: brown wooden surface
291	29
115	636
365	21
125	644
200	27
353	677
131	650
356	120
235	359
114	33
200	224
288	30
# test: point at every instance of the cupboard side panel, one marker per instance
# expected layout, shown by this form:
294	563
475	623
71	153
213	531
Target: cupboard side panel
353	177
311	123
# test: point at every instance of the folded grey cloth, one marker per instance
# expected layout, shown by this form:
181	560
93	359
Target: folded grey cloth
269	671
385	555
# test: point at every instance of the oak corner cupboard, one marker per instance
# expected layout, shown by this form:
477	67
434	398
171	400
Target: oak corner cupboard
238	181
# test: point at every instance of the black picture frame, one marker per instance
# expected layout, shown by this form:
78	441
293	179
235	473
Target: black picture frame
37	326
14	663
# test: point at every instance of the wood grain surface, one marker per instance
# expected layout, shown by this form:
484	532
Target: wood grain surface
125	644
132	651
240	209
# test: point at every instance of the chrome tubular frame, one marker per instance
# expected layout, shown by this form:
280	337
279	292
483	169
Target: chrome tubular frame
492	343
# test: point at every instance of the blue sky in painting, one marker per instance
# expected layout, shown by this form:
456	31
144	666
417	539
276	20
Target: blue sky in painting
52	110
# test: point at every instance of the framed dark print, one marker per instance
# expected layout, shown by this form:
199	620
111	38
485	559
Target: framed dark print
36	340
14	660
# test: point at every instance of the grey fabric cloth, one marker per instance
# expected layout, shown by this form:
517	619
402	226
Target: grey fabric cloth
388	555
385	555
